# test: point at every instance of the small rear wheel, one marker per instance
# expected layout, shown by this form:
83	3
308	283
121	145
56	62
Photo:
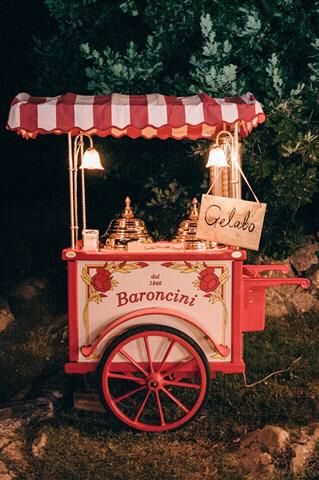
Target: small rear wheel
154	378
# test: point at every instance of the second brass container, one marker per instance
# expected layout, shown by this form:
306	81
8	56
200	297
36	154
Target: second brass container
186	232
126	228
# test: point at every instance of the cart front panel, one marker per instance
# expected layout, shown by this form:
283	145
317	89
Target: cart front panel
197	289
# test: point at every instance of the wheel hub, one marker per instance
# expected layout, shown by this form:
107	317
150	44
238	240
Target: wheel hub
155	382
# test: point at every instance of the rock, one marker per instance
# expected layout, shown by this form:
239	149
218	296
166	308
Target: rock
313	275
256	464
256	450
265	458
286	299
5	474
270	438
303	301
26	292
301	455
275	304
12	452
6	316
305	257
314	428
33	410
303	449
17	419
30	288
20	421
39	445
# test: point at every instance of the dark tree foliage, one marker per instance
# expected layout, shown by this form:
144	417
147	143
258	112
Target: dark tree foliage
180	47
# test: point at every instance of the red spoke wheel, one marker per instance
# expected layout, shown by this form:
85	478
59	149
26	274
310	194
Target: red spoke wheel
154	378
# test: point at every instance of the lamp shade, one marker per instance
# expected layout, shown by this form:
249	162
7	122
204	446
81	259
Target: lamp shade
91	160
217	158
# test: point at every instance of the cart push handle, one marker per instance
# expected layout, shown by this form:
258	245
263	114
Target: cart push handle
253	318
253	270
253	278
275	282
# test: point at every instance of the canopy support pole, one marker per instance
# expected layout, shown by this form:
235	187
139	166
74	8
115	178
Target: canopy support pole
235	177
75	180
71	187
83	184
77	154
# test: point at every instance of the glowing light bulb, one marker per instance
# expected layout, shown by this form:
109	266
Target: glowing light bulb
217	158
91	160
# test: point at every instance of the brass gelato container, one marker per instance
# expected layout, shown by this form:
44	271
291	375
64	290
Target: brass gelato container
126	228
186	232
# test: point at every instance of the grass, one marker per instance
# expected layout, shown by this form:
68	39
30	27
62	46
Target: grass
129	456
83	446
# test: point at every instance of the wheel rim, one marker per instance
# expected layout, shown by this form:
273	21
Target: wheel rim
154	380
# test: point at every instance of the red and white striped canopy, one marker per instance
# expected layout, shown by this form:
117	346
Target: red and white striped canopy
148	116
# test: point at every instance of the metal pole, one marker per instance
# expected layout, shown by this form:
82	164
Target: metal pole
75	180
83	185
212	179
71	186
235	177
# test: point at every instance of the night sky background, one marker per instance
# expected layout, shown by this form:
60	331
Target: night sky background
34	174
34	210
34	205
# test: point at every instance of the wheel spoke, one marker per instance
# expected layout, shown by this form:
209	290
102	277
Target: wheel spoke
139	413
129	394
130	359
148	351
177	367
127	377
160	409
182	384
168	351
172	397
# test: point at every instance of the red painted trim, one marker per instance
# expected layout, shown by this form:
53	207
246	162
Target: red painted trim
80	367
87	350
237	310
114	255
73	312
230	367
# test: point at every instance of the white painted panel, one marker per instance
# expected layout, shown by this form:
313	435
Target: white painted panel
157	110
121	116
83	111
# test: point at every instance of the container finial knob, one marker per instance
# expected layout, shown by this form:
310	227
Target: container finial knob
128	212
194	211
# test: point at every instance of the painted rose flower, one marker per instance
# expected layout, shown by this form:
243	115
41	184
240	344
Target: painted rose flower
208	280
101	281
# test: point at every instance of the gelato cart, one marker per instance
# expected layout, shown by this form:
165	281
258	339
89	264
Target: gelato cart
154	320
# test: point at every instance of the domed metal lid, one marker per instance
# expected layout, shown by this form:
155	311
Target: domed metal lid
126	228
186	232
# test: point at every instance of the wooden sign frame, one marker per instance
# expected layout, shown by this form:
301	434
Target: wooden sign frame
231	221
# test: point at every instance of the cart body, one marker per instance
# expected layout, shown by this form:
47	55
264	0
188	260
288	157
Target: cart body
166	288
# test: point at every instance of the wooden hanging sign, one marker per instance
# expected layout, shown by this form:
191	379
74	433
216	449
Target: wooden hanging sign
231	221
